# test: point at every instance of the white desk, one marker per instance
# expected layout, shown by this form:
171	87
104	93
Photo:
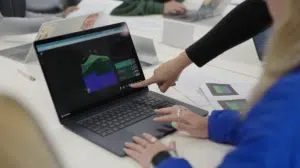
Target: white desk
76	152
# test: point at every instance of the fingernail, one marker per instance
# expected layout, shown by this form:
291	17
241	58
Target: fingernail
174	124
154	119
125	149
145	134
126	143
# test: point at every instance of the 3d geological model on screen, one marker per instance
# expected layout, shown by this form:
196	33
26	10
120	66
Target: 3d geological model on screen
98	73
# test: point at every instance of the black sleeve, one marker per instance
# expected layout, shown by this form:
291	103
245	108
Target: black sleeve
242	23
70	3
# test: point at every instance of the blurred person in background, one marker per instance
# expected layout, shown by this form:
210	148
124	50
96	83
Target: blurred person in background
15	19
149	7
23	142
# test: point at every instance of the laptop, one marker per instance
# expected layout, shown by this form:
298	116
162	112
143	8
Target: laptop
260	42
145	49
89	74
25	53
180	40
208	9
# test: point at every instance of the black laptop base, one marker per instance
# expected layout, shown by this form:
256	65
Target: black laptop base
114	141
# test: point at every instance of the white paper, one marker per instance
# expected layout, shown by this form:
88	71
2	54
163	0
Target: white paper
188	84
243	90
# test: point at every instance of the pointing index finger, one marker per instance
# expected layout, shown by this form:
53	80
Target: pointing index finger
144	83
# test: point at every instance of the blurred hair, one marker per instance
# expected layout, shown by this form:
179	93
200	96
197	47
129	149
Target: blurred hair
283	53
23	144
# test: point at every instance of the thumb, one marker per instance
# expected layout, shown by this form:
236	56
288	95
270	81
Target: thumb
165	86
172	146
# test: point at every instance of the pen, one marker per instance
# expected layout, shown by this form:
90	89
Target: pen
26	75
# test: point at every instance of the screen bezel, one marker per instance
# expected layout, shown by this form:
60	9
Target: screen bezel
102	102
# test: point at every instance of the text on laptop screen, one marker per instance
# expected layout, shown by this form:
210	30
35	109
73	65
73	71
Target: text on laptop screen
90	67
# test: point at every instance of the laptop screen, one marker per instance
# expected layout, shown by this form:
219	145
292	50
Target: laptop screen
87	69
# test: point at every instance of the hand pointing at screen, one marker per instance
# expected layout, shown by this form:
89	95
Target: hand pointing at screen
166	75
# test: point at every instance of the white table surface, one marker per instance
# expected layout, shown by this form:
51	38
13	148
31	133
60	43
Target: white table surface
75	151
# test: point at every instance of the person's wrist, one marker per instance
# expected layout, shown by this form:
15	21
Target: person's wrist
205	125
160	157
184	60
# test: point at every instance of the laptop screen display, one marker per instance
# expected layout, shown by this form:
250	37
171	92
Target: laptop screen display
89	68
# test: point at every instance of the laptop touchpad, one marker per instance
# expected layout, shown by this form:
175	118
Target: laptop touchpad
148	126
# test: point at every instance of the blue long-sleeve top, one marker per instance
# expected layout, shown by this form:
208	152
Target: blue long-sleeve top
268	137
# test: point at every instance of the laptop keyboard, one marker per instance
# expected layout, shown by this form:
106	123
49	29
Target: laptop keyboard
123	116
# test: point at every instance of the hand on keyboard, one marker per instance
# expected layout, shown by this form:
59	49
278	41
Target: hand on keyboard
123	116
184	120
